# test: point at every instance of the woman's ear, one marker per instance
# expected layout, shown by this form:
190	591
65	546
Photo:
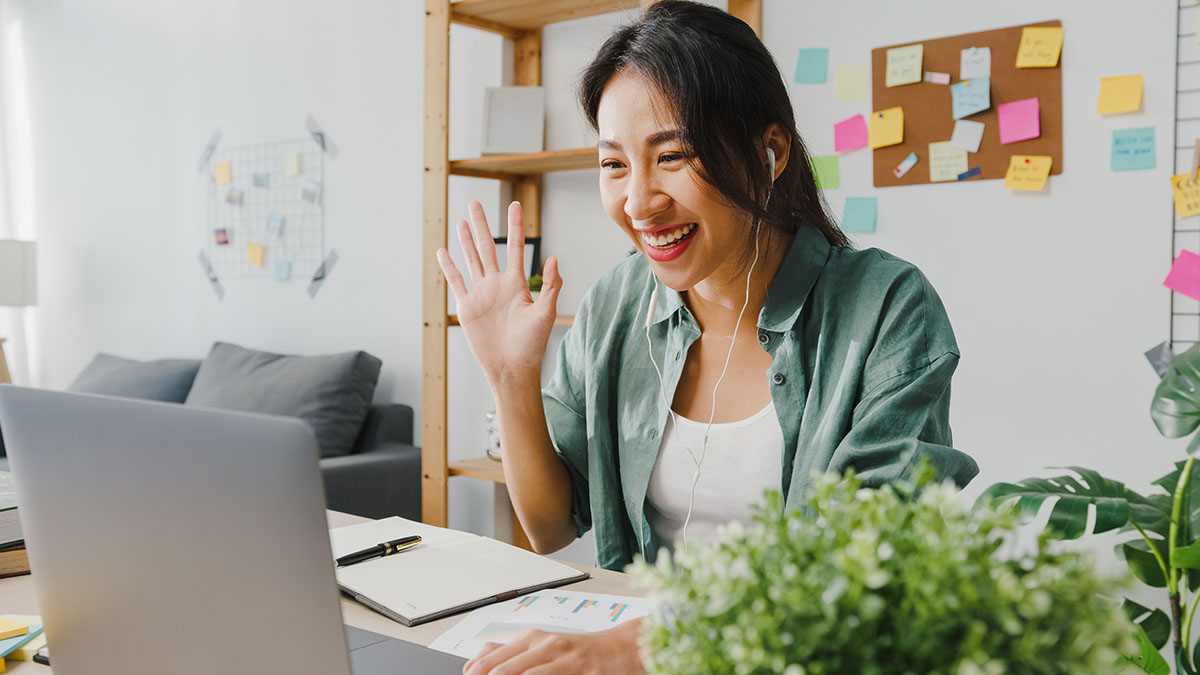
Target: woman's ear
781	144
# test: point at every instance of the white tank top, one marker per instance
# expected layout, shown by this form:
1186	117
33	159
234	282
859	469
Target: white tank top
743	459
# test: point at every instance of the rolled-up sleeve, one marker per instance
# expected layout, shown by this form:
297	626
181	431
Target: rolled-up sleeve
563	399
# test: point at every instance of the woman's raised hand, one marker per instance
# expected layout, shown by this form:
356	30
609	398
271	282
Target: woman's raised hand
505	327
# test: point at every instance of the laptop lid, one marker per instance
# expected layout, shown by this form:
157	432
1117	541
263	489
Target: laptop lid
170	539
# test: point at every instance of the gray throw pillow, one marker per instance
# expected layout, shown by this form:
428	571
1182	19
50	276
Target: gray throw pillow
331	392
164	380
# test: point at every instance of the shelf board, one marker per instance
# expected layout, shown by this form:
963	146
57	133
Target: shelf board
484	468
513	17
560	320
513	166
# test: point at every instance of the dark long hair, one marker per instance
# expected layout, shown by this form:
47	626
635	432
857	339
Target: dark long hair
725	90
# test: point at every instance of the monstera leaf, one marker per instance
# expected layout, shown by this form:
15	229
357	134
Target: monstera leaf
1176	406
1115	504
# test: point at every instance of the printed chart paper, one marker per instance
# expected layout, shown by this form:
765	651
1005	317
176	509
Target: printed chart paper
549	610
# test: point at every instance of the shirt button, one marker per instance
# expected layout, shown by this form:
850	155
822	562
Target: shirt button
763	338
778	378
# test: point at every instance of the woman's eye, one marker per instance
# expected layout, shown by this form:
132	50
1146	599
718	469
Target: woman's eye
610	164
671	157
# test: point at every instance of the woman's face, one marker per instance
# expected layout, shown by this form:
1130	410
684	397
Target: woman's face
679	222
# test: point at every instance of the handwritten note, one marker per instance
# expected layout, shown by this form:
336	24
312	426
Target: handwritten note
1187	194
825	170
975	62
1027	172
1019	120
1133	149
850	134
1120	94
946	162
852	83
860	214
967	135
1184	276
224	171
970	96
255	253
1039	47
886	127
906	164
812	65
291	165
904	65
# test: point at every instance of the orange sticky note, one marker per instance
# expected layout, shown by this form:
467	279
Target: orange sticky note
1027	172
1187	194
886	127
1039	47
1120	94
256	253
224	172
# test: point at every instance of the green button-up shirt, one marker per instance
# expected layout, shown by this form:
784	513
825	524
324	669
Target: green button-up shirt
861	358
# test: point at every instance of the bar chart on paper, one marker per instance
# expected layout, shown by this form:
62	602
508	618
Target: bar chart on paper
549	611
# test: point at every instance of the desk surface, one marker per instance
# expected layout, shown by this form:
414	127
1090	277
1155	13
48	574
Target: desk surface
17	596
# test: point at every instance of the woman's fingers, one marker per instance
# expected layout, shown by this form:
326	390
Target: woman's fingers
453	276
551	285
474	266
516	239
483	237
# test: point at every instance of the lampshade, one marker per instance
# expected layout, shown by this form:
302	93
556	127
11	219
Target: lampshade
18	273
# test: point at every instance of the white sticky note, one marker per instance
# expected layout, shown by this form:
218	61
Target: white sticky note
967	135
975	62
946	162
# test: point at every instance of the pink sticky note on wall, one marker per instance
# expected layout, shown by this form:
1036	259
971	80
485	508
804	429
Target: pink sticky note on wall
850	134
1185	275
1019	120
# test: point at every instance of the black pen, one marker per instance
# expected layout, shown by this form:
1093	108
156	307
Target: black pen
378	551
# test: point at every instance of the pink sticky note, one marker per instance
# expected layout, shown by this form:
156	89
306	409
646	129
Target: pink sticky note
850	134
1019	120
1185	275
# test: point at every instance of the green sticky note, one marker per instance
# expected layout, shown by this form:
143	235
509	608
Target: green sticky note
825	170
859	214
811	66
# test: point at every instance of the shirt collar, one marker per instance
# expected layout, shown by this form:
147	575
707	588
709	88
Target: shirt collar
800	270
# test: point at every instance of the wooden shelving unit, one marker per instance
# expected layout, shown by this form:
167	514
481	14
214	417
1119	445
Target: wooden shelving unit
522	21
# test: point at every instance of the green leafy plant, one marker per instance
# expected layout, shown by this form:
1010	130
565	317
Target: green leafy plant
1165	551
535	283
903	580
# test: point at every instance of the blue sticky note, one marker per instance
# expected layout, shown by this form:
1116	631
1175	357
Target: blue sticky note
859	214
812	65
283	270
1133	149
9	645
971	96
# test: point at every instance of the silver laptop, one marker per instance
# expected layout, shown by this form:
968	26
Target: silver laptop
173	540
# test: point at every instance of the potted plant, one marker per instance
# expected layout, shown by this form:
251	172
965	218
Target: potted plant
1164	549
903	579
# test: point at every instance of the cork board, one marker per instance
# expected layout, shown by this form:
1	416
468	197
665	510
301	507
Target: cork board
927	115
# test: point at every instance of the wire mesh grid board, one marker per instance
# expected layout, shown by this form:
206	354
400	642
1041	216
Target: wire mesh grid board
1185	312
265	218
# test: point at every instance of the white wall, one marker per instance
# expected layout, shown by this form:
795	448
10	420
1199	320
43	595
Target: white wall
1054	296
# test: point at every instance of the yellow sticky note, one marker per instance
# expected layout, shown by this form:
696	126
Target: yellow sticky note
904	65
852	83
1039	48
10	628
291	165
1120	94
255	254
1187	194
26	651
886	127
946	162
224	172
1027	172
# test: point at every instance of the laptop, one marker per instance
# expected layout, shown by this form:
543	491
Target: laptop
172	539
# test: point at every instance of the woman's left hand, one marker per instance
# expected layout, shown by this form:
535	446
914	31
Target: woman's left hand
540	653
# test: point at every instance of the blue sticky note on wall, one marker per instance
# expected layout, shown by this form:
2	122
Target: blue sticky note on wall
1133	149
971	96
859	214
811	66
283	270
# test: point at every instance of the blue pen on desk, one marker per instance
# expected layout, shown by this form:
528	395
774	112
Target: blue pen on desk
378	551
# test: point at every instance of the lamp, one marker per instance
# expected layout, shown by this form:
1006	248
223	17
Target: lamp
18	283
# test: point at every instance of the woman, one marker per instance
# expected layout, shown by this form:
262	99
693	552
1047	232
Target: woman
745	347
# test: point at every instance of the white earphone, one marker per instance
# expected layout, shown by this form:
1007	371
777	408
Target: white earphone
771	163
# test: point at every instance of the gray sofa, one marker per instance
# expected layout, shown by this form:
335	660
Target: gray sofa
368	462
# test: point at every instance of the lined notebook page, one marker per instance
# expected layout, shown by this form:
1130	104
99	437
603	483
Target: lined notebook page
447	569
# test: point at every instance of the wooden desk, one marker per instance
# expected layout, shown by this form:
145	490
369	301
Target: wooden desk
17	597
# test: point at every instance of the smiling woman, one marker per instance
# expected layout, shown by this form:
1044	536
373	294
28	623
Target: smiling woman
745	348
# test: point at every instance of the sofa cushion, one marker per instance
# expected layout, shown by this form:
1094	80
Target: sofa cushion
331	392
163	380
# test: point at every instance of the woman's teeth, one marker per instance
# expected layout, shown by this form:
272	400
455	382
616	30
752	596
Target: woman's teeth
667	239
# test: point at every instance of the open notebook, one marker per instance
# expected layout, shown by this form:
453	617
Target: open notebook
448	572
